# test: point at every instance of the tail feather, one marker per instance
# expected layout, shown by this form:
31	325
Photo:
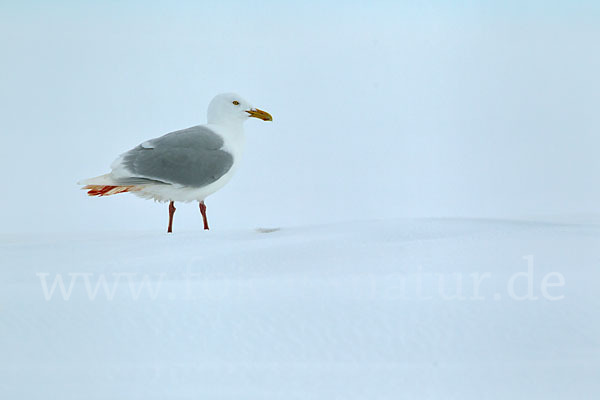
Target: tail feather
105	185
108	190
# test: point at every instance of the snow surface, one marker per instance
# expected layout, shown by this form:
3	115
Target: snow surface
344	311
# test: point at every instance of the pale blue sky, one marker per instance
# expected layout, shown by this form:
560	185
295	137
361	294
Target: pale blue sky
381	110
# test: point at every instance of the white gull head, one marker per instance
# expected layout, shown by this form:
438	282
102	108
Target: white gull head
228	108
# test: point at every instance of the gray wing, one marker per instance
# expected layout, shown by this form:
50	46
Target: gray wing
191	157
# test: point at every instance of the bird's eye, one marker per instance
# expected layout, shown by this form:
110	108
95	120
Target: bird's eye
235	102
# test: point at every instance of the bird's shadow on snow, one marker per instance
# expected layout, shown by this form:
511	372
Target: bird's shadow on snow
267	230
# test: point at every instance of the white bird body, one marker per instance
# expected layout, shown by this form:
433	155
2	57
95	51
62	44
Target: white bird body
233	143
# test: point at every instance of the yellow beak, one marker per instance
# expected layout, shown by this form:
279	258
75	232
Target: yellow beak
260	114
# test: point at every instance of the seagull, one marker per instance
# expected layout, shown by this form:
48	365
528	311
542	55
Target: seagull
185	165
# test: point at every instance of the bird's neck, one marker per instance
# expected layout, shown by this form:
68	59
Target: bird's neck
233	130
233	137
230	124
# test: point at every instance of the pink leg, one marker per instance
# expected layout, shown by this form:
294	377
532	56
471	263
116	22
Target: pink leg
171	213
203	211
